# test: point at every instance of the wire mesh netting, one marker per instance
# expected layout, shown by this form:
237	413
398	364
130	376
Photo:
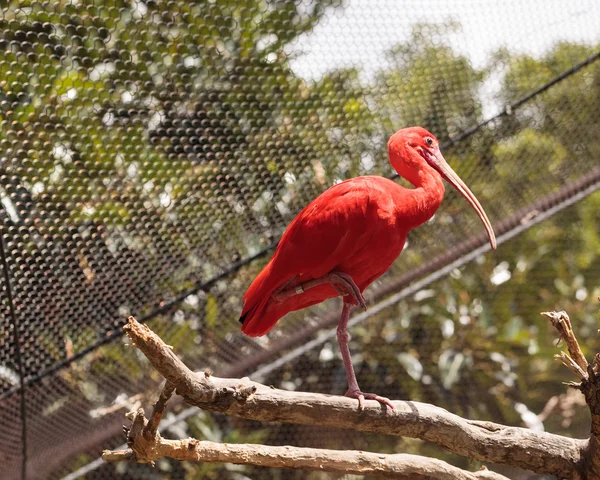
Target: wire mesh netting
153	152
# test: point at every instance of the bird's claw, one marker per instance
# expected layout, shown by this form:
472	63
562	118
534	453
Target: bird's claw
361	397
350	288
342	282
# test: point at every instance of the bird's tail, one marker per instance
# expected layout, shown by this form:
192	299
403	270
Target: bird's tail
256	318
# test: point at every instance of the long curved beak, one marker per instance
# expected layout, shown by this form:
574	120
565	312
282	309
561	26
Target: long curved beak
437	161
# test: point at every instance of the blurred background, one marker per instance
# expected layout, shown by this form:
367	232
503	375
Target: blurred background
153	152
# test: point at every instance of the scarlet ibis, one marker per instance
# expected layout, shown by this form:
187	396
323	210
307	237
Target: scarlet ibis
350	235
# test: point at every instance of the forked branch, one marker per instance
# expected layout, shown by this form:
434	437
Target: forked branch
589	384
575	361
486	441
399	466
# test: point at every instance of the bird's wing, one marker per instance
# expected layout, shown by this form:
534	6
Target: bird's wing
330	229
327	232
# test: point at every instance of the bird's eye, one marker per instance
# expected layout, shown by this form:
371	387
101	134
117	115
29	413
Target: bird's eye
429	141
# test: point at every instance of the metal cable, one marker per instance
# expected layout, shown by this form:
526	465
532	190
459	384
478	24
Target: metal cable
528	215
18	359
259	374
508	110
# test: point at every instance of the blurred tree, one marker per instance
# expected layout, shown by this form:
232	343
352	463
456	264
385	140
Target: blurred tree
169	127
429	84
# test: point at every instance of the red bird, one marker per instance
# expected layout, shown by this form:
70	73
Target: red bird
350	235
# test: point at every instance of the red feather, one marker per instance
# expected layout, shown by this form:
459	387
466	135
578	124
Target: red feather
354	227
350	235
357	227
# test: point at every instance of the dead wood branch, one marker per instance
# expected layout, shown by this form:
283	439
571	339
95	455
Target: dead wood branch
588	374
589	384
145	447
562	323
486	441
398	466
151	428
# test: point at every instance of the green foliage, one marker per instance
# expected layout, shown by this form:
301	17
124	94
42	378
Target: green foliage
429	84
567	110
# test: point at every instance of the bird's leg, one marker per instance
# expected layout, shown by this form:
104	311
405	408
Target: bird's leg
353	390
341	281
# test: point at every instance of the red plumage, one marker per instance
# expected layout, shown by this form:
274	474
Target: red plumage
351	227
355	229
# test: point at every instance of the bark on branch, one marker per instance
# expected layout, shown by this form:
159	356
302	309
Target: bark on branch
399	466
589	384
540	452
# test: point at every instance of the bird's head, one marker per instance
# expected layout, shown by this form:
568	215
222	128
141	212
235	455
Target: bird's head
414	151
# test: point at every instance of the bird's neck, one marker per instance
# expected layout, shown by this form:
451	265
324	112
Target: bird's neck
423	200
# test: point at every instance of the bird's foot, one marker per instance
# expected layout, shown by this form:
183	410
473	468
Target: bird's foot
342	282
285	291
361	397
345	285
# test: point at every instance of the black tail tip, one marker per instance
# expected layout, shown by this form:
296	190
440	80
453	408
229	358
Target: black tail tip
244	316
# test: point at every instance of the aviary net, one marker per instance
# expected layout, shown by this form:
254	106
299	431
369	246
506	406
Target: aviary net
153	152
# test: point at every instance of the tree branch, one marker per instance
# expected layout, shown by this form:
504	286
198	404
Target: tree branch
589	385
588	374
562	323
485	441
151	428
144	449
